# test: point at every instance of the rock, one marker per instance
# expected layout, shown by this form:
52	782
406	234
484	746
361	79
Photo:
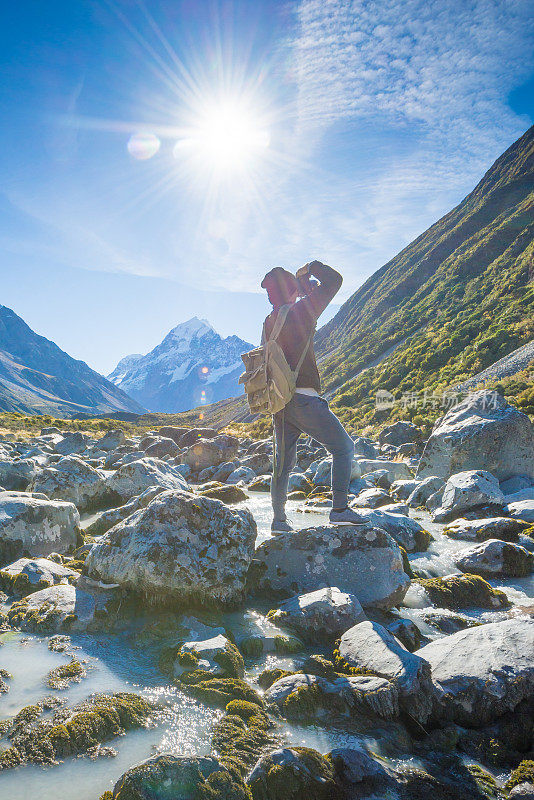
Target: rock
424	490
71	479
522	791
479	530
396	470
194	434
467	491
62	607
181	547
322	476
344	556
458	592
28	575
372	498
111	440
399	433
524	510
112	516
173	432
71	443
495	559
407	532
17	474
483	432
222	472
296	772
34	527
304	696
167	776
260	484
227	494
163	447
316	616
515	484
369	647
446	621
216	656
482	672
131	480
298	482
522	494
211	452
49	430
259	462
364	447
360	773
406	632
244	474
401	490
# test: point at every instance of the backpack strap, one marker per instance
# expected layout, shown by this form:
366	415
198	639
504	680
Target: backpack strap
281	317
301	359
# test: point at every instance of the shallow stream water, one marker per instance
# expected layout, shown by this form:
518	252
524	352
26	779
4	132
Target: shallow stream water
122	662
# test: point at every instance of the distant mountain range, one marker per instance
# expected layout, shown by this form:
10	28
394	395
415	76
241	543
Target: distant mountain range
192	366
37	377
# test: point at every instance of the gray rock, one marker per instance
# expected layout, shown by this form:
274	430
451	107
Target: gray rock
523	791
396	470
17	473
372	498
483	432
523	509
181	546
168	777
222	472
195	434
56	608
515	484
173	432
370	647
399	433
111	440
133	479
364	448
359	559
402	489
71	443
425	489
211	452
358	771
495	559
114	515
316	616
208	652
482	672
70	479
406	531
244	474
34	527
479	530
467	491
36	571
163	447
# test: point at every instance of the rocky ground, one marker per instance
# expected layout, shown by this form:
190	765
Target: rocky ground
392	659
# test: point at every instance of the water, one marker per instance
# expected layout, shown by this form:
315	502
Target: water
128	662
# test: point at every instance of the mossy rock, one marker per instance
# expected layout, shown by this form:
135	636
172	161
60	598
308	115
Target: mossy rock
219	691
270	676
288	645
240	741
296	773
228	493
524	773
458	592
407	567
252	647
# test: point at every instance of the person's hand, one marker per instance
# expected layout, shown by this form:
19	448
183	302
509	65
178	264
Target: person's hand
302	272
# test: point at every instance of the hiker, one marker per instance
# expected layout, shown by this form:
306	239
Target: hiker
299	300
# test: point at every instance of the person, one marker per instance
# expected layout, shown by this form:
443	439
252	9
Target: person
307	412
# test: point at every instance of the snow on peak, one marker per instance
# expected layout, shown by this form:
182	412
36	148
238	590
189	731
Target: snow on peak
186	331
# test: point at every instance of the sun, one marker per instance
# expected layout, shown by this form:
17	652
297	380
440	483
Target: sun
227	136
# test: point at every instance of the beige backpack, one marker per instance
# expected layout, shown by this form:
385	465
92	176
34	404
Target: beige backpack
268	379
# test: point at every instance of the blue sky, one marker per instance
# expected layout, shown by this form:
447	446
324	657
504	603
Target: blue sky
360	124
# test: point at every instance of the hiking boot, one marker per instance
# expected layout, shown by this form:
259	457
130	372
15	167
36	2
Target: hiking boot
280	526
346	517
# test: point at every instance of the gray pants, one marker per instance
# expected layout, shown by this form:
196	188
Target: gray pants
310	415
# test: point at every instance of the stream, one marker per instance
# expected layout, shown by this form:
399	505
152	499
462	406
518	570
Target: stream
125	662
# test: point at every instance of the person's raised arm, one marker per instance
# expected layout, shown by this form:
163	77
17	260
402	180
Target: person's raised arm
319	295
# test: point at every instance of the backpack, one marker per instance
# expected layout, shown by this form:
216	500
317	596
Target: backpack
268	379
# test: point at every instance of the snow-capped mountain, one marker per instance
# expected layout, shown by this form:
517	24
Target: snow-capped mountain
193	365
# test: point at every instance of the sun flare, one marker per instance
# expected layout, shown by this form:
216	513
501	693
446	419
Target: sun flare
227	136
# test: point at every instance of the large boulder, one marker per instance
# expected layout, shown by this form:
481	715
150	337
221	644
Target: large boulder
112	516
407	532
163	447
172	432
111	440
211	452
296	772
17	473
425	489
482	432
495	559
35	527
396	470
400	432
72	442
316	616
359	559
71	479
28	575
482	672
194	434
181	547
468	491
479	530
370	648
133	479
177	777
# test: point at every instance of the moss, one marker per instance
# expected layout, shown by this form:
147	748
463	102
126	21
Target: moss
343	666
422	540
319	665
270	676
239	741
303	703
61	677
463	591
287	645
484	781
407	567
242	708
188	659
523	774
107	796
4	676
230	661
219	691
307	776
252	647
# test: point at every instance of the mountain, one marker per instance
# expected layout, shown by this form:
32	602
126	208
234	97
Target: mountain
193	365
452	303
36	377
